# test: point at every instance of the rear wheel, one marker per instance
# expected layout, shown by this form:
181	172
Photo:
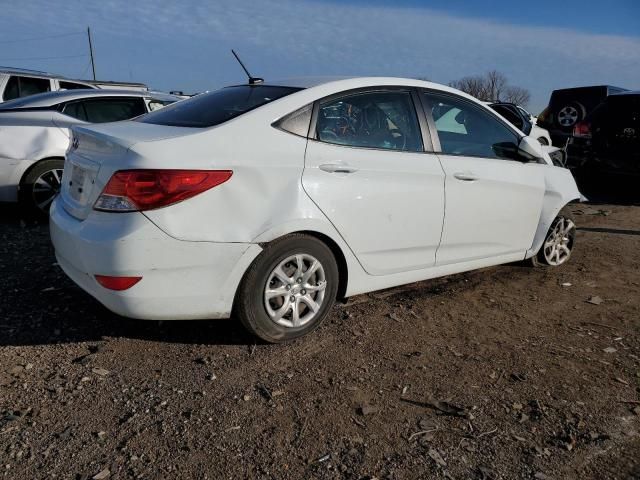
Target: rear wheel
559	242
41	186
289	289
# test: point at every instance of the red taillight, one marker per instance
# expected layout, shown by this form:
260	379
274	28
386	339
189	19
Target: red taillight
131	190
117	283
582	130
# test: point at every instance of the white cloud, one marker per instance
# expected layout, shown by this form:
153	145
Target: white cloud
185	45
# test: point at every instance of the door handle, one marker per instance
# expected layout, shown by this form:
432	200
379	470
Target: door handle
465	176
337	168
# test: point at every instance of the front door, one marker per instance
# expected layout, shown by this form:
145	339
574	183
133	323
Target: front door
493	197
367	171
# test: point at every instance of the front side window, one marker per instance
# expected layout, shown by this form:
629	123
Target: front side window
210	109
18	87
466	129
384	120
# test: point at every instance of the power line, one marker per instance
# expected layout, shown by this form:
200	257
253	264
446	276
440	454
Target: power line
42	37
42	58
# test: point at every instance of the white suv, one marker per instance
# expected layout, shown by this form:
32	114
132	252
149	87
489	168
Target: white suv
18	83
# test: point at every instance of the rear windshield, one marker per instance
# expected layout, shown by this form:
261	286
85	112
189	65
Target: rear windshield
217	107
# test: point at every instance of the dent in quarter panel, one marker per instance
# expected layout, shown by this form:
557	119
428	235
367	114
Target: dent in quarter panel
264	190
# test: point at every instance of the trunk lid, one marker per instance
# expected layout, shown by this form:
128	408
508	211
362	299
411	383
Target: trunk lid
96	152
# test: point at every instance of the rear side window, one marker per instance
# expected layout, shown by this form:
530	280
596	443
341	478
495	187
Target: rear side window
113	110
73	86
217	107
75	110
155	104
24	86
296	122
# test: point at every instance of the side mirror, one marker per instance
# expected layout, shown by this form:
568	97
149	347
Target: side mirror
530	150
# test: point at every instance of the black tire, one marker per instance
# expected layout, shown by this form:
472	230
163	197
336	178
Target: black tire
250	304
570	114
34	200
541	259
543	141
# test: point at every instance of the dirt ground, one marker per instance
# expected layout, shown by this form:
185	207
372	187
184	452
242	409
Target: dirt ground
503	373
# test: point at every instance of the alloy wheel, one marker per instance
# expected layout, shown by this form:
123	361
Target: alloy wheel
559	242
295	291
46	188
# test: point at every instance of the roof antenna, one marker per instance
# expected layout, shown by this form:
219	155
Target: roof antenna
252	80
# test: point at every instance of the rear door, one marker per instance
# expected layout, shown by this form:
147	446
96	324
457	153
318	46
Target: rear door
493	201
366	168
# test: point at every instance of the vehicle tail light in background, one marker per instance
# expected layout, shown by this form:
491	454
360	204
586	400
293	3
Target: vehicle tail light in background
582	130
117	283
138	190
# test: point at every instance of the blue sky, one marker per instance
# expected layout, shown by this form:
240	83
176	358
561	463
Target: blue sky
540	45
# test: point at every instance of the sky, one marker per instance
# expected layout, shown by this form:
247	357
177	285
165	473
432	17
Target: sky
185	45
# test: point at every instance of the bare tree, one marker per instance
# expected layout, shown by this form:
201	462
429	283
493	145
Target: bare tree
496	85
517	95
474	86
492	87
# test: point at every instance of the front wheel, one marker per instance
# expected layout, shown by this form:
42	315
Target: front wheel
559	242
289	289
41	186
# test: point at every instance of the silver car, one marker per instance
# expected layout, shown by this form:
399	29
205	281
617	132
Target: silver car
34	135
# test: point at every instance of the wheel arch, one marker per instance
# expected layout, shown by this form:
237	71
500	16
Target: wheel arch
33	165
546	219
333	245
341	261
560	191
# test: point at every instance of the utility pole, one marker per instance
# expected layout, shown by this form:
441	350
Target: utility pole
93	65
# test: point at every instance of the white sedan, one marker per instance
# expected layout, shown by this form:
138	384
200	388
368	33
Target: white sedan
272	200
34	135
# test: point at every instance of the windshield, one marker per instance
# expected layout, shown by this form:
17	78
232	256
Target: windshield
217	107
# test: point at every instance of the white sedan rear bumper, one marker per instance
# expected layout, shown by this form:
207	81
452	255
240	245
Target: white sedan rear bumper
180	279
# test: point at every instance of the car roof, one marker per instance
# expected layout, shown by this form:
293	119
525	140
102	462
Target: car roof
41	74
49	99
629	92
343	83
304	82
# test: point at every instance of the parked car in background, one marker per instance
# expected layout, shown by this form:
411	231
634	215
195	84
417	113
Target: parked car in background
522	120
274	199
569	106
608	139
18	83
34	135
